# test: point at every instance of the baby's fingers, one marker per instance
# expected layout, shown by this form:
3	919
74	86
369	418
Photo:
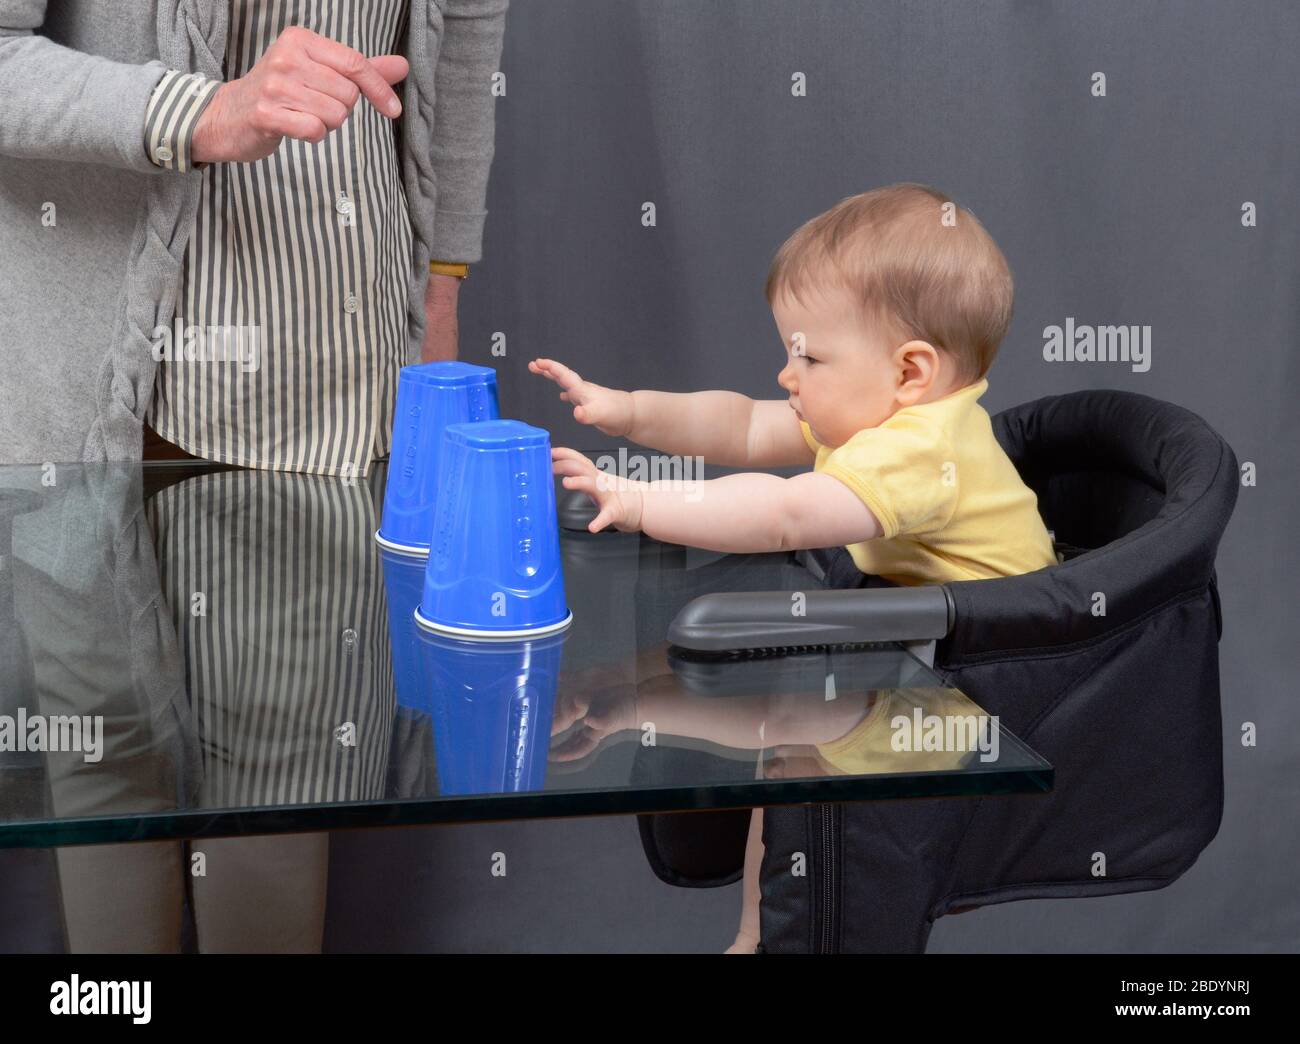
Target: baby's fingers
587	484
570	462
556	371
582	483
568	469
564	466
575	747
569	711
603	519
586	413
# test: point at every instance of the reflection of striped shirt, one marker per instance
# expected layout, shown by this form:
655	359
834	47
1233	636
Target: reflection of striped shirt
291	317
278	596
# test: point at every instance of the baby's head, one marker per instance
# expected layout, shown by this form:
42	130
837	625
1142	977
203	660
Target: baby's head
891	298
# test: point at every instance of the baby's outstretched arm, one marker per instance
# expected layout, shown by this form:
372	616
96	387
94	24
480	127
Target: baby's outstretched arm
724	427
747	513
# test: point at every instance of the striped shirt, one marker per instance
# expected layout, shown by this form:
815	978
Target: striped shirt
291	319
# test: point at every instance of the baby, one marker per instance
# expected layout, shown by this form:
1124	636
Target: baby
891	307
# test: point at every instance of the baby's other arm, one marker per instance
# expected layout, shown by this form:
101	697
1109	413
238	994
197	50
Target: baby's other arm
754	513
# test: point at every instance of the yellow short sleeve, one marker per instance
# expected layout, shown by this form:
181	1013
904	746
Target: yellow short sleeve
903	470
813	444
868	747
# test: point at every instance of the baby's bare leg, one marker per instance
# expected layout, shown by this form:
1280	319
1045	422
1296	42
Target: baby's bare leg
748	935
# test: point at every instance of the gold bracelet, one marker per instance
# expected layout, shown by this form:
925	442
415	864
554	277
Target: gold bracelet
449	268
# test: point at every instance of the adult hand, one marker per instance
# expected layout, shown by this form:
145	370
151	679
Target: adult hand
441	325
303	87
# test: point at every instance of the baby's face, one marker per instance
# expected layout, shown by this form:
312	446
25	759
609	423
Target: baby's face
838	373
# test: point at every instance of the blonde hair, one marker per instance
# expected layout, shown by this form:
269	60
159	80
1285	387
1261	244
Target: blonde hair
943	282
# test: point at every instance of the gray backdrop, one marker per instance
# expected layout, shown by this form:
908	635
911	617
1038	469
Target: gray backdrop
1124	209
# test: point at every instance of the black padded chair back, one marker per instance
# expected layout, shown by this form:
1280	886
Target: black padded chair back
1137	492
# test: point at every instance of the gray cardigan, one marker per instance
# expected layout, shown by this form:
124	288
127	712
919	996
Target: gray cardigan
93	234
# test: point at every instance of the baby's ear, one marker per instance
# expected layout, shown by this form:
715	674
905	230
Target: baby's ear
920	360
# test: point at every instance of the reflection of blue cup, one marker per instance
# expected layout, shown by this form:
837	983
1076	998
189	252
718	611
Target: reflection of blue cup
403	585
491	705
494	568
429	397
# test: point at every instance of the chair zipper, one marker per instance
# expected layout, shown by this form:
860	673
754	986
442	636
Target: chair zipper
827	912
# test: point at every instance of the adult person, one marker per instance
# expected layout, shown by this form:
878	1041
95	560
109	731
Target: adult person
234	165
244	168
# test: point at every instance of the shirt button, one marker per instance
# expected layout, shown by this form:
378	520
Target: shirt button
163	153
343	206
351	304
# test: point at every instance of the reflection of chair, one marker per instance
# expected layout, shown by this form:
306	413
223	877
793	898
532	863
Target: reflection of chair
1106	664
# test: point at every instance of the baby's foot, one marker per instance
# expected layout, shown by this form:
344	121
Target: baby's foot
745	943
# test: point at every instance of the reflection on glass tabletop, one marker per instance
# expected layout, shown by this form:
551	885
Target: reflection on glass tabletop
191	650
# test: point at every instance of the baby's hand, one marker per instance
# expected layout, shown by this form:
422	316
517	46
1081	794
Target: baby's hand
602	714
607	409
618	498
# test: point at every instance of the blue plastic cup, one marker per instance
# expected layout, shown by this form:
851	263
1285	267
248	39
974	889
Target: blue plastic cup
429	397
491	705
494	568
403	586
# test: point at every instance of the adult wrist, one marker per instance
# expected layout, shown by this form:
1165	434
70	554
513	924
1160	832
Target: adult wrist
442	297
203	148
172	118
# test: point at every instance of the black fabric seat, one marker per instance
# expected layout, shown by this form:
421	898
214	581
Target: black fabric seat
1125	705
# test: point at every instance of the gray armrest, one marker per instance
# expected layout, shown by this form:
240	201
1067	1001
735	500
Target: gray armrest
750	620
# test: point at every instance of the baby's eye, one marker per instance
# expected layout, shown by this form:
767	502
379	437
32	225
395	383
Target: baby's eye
809	359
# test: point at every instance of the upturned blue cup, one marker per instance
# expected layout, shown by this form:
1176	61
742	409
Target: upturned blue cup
494	567
403	587
491	705
429	397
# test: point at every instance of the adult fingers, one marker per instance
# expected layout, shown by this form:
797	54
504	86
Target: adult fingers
326	108
356	67
291	123
392	67
324	79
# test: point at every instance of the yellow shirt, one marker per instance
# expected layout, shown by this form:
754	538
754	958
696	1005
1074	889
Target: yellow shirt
950	502
882	741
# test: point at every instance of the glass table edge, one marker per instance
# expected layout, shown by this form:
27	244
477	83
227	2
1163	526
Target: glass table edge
288	819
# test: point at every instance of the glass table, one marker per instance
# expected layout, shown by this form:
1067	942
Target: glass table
189	650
